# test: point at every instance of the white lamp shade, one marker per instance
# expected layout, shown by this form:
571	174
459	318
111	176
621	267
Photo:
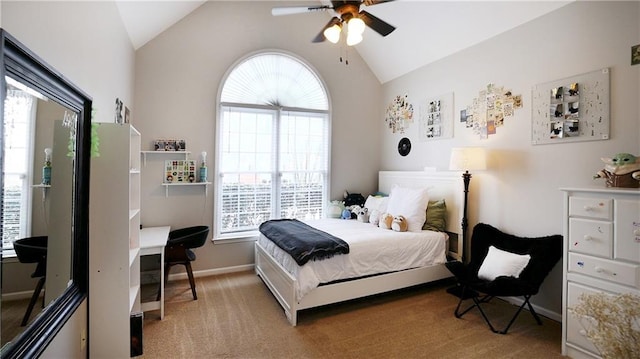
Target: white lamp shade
353	39
332	33
468	158
356	26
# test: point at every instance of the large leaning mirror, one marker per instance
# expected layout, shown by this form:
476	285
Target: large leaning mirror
45	200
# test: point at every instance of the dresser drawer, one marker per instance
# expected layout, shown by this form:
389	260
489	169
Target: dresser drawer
619	272
591	237
596	208
577	326
627	231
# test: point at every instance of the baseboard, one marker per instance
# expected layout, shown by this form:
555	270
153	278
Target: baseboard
18	295
540	310
210	272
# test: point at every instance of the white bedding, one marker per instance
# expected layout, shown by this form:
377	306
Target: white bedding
372	250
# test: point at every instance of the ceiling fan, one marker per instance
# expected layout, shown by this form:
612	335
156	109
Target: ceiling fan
349	16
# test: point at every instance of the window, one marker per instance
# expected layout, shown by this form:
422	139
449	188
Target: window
19	110
273	144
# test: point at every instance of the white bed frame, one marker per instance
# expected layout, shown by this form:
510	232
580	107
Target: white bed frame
447	185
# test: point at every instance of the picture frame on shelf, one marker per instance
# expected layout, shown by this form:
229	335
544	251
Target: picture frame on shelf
179	171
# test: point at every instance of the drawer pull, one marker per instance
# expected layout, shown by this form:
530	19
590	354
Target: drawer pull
589	208
588	237
636	232
583	332
604	271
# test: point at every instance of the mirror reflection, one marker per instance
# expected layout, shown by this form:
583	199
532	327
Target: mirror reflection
37	205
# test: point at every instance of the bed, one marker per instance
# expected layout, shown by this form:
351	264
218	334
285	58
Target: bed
290	284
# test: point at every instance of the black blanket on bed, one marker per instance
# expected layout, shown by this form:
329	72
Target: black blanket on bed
302	241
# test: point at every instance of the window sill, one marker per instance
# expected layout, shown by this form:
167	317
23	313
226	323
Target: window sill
236	238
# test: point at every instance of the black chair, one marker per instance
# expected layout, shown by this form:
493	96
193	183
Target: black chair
33	250
179	251
544	251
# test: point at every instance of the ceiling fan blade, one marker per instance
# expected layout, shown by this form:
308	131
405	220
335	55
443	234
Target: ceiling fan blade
320	37
278	11
375	2
380	26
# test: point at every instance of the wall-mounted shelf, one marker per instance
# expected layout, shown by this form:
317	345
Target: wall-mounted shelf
163	153
167	185
45	189
41	186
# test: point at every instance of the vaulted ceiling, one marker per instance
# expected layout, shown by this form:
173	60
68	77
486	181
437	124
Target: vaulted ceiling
426	30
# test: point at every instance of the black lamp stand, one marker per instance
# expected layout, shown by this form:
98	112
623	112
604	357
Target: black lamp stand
457	290
466	178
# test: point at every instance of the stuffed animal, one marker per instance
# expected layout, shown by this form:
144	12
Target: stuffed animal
363	215
623	170
385	221
374	217
346	214
399	224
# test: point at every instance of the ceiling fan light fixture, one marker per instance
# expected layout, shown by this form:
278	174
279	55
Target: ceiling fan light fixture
353	38
356	26
332	33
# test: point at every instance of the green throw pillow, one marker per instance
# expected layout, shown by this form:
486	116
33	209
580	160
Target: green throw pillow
436	216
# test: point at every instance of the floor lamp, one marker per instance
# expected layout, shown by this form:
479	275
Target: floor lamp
465	159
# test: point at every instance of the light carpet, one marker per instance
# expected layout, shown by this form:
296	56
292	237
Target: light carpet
236	316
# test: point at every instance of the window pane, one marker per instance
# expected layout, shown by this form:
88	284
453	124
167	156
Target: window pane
246	201
17	138
277	80
302	195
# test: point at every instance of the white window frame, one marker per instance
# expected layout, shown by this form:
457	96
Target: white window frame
276	174
26	177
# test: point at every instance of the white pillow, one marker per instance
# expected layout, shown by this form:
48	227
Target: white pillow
376	203
410	203
501	263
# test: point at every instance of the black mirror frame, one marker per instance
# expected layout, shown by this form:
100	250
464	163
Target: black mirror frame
20	63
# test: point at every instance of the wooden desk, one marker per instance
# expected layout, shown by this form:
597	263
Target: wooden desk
152	242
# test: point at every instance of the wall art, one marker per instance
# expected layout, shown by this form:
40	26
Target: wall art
572	109
436	118
178	171
489	110
399	114
118	118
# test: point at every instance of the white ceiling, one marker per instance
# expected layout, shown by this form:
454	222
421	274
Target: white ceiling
426	30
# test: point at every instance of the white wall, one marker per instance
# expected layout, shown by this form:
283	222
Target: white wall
519	192
87	43
178	75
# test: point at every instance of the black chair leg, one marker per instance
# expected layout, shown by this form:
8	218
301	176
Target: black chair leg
192	282
471	294
477	301
533	312
32	302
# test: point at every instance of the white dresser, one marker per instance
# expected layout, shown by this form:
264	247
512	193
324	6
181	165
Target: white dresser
601	254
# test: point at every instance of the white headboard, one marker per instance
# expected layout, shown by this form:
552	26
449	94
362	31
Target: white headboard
441	185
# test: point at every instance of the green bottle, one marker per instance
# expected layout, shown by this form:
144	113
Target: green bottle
46	169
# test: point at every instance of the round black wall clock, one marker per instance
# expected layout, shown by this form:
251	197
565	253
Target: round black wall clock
404	146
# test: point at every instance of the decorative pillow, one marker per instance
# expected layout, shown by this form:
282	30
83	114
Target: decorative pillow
410	203
377	203
436	216
502	263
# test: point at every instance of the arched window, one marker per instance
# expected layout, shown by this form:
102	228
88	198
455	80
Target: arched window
272	144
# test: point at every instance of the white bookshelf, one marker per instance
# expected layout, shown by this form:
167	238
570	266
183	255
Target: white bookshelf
114	248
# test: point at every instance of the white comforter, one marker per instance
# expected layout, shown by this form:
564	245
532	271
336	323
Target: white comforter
372	250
